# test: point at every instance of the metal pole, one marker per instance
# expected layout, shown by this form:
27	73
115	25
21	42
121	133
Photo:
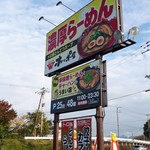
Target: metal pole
99	113
56	132
68	7
42	116
60	2
37	115
117	121
42	92
47	21
99	119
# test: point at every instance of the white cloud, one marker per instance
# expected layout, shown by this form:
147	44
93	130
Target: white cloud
135	13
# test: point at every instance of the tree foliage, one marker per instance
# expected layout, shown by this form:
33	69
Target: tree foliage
25	124
146	129
7	113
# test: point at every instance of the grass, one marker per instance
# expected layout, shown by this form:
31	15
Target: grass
21	144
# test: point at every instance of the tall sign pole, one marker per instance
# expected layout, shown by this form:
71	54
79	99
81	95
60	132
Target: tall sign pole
99	121
99	111
56	132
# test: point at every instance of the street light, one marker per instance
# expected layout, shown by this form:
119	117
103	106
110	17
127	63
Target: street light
42	18
148	90
133	31
118	36
60	2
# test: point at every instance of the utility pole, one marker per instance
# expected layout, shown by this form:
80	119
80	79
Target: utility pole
118	126
40	108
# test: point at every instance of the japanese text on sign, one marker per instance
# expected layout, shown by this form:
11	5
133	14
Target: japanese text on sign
63	47
76	89
69	30
67	135
84	134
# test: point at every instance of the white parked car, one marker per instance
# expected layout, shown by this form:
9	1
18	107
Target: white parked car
139	147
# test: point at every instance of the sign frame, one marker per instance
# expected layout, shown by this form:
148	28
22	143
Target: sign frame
71	46
82	98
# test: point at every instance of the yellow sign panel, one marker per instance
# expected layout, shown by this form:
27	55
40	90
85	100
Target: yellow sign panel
81	36
76	89
79	80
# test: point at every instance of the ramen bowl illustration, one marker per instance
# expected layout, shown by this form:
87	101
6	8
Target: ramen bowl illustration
89	80
95	38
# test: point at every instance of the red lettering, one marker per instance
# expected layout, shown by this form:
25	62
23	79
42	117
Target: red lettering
62	35
105	10
72	30
90	17
52	41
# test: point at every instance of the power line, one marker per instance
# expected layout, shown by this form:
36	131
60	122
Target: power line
146	45
133	121
124	59
21	86
137	113
134	53
128	110
129	94
123	126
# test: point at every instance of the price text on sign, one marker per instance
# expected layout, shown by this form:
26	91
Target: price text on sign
77	102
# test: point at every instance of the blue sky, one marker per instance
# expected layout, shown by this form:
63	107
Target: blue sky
22	52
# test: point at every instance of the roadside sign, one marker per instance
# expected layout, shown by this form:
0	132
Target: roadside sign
67	135
79	38
76	89
84	134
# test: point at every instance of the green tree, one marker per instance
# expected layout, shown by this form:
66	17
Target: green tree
146	129
28	123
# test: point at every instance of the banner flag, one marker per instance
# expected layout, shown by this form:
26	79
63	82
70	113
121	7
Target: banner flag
114	142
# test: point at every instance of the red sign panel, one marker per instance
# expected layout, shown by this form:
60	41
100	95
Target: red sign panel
67	135
84	134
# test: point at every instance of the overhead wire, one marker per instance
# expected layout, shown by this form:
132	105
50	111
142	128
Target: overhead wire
21	86
15	85
146	49
147	90
121	61
131	111
128	56
125	124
